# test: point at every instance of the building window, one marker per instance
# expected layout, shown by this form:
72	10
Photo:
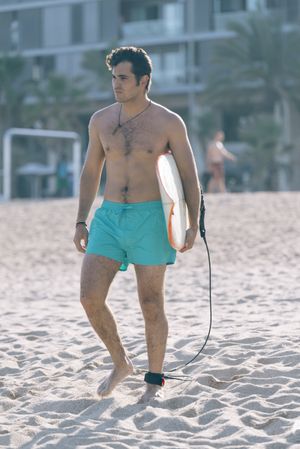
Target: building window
14	31
293	11
135	11
289	10
223	6
168	66
152	12
77	25
5	30
152	19
30	28
274	4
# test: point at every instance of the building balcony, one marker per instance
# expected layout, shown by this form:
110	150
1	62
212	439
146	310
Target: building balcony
223	19
159	27
177	77
170	77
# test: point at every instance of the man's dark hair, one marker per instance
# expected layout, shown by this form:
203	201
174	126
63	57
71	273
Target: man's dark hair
141	62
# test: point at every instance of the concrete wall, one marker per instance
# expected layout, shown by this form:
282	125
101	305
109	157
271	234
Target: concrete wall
110	22
203	19
31	28
91	16
56	26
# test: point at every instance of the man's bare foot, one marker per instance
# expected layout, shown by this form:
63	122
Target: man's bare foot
116	376
152	392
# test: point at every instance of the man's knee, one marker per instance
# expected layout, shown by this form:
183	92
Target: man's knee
91	301
97	274
152	307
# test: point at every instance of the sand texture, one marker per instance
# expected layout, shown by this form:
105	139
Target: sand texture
245	390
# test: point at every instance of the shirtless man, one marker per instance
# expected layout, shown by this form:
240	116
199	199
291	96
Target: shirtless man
216	154
129	226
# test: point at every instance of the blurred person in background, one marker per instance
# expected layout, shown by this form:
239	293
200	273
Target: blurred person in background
216	154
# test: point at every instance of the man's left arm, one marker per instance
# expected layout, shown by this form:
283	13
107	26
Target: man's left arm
183	154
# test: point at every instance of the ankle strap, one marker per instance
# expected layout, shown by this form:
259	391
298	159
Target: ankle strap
155	378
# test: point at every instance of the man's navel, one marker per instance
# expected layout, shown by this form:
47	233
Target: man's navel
124	192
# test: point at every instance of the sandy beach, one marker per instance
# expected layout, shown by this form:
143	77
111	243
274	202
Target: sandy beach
245	391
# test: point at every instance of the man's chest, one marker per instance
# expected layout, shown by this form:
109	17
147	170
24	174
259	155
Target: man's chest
138	139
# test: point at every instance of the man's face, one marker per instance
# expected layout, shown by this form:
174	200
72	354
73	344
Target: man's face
124	83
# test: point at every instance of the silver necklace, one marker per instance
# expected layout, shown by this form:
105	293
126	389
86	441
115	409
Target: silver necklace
119	125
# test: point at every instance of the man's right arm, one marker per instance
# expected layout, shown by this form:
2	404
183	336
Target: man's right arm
89	184
91	172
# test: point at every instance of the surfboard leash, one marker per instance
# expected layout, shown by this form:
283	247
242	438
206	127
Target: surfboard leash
159	378
202	231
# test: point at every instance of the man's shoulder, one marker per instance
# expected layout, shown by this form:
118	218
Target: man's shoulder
103	113
167	114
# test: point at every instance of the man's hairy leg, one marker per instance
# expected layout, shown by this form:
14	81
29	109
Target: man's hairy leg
213	186
96	276
222	186
220	179
150	281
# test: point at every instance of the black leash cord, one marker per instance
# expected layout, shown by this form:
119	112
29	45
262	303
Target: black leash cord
185	378
202	234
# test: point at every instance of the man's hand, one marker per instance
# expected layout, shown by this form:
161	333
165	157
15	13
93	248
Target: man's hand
190	237
81	238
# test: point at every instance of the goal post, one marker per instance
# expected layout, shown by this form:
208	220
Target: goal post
7	152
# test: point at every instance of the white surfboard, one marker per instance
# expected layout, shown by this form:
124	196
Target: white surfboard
173	201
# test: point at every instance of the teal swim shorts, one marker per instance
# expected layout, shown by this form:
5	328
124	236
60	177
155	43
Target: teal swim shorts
131	233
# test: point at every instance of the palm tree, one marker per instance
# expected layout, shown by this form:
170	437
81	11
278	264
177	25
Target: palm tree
12	90
260	60
262	132
206	126
54	102
57	102
94	62
259	68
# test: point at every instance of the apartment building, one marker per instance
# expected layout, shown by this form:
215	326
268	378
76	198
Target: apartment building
54	35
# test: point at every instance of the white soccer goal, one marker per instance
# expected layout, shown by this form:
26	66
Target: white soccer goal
7	151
